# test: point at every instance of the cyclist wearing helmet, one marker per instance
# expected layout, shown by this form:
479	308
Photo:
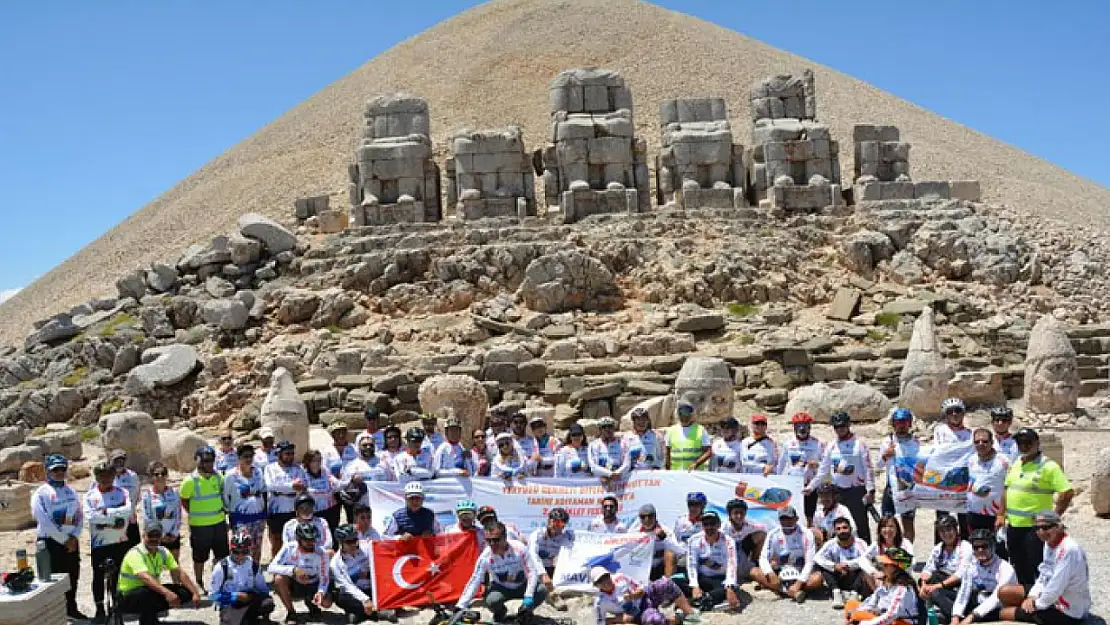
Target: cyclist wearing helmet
829	509
487	518
977	599
1001	420
245	496
202	495
760	453
350	570
129	481
239	587
467	521
414	519
107	509
901	443
690	523
609	455
546	446
416	462
545	544
847	464
607	522
787	559
893	602
644	442
305	513
668	549
801	455
285	479
368	467
952	430
451	458
300	572
728	448
747	535
949	558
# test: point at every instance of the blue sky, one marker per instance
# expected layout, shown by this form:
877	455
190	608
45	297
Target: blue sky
108	104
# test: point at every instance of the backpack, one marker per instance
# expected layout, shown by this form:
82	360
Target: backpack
227	571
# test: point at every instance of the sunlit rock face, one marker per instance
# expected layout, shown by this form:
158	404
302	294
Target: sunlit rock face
924	380
704	387
1051	370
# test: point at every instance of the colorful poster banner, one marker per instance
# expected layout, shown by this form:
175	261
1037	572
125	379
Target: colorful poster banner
630	554
936	477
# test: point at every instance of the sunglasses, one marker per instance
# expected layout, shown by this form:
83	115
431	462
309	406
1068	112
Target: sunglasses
494	541
647	516
982	442
160	474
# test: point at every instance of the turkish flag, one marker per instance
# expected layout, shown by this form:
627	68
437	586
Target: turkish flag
403	572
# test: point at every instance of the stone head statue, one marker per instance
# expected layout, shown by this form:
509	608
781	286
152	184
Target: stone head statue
703	390
1051	370
460	396
923	384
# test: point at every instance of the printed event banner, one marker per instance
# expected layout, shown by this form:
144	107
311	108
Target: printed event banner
936	477
525	503
628	553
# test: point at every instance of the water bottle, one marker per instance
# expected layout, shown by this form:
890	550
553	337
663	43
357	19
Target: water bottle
934	616
21	560
42	560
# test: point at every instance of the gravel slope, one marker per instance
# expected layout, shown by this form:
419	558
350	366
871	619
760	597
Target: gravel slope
491	66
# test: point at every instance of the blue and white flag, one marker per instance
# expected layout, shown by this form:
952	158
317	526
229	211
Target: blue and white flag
629	554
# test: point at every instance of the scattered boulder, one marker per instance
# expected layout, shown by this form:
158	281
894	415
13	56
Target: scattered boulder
978	388
568	280
845	305
13	458
161	277
170	365
906	269
133	432
32	473
132	285
179	447
58	328
297	306
227	314
218	287
127	358
272	234
284	411
864	403
865	249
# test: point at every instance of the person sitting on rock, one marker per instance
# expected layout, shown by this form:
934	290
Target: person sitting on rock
1062	593
609	456
728	449
787	560
667	548
572	459
828	510
711	565
509	571
645	444
416	462
300	572
546	543
350	572
901	443
305	512
801	456
760	454
949	558
620	600
748	536
977	599
508	464
107	509
546	446
414	519
840	562
895	602
140	588
239	587
451	458
607	522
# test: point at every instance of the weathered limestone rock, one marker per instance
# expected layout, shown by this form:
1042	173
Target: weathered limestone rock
1051	370
394	178
660	411
179	448
161	277
227	314
272	234
880	153
170	365
32	472
699	166
15	503
864	403
705	384
132	285
58	328
978	388
133	432
568	280
490	175
1100	483
594	164
284	411
13	458
458	395
923	384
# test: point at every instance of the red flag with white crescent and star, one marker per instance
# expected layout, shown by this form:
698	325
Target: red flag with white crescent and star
403	572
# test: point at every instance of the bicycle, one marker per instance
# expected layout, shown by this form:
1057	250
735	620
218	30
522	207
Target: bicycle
111	591
448	615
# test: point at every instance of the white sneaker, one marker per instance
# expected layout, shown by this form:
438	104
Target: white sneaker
837	599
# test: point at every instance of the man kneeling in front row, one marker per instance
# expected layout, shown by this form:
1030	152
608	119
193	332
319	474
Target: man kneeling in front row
513	571
140	588
238	586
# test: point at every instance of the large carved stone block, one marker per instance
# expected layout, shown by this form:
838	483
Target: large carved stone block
1051	370
489	175
699	165
923	384
284	411
455	395
704	384
593	151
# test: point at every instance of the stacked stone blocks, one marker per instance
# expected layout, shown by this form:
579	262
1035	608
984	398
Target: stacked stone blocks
593	163
882	170
490	175
394	178
699	166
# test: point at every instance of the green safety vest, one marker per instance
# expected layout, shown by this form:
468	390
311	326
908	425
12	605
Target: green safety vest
206	501
685	450
139	560
1030	487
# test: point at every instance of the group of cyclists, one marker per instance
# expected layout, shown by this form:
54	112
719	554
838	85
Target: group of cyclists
238	493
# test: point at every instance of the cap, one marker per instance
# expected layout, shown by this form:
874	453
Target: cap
504	436
370	412
896	556
337	425
598	573
1048	517
730	422
428	417
486	511
266	432
559	514
576	429
759	418
607	422
153	529
452	422
414	489
647	508
284	446
537	418
116	454
788	512
1027	433
245	448
101	468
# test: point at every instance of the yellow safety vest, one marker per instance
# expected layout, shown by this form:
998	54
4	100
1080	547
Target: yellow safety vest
205	496
1030	487
139	560
685	449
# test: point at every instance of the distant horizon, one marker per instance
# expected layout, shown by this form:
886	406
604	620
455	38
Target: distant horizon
138	96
